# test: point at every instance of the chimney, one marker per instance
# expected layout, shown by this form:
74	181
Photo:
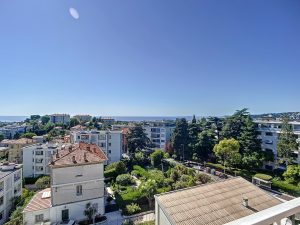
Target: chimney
70	148
73	159
88	148
84	157
245	202
57	155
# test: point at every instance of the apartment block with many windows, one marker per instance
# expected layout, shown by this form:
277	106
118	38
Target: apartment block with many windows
110	141
269	131
10	188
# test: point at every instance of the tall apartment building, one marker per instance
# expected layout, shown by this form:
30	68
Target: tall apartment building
83	118
10	188
77	179
159	133
36	158
111	142
269	131
60	118
15	153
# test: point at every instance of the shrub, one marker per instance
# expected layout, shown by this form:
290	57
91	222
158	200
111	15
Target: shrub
286	187
110	173
119	167
203	178
43	182
262	176
124	179
292	174
133	208
157	156
140	172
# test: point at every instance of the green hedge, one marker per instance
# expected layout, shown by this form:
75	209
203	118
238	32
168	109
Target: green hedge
263	176
110	173
286	187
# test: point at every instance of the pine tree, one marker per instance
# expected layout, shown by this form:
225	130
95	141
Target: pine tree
180	138
137	139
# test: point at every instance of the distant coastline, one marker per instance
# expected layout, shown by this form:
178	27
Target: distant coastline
117	118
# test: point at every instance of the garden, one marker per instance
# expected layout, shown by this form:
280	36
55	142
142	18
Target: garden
135	181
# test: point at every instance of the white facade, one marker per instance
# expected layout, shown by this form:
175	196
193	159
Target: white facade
60	118
83	118
269	132
73	186
10	187
159	133
36	159
109	141
10	131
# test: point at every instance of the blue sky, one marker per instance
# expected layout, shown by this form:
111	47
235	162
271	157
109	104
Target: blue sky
149	57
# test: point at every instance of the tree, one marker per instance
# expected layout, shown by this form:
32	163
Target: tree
193	131
45	119
287	142
227	151
1	137
205	144
157	156
124	179
180	138
17	135
35	117
29	135
149	189
137	139
74	121
194	120
90	212
292	174
43	182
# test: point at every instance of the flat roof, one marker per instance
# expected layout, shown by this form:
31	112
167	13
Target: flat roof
214	203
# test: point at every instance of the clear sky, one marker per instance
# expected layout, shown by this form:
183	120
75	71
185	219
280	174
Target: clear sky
149	57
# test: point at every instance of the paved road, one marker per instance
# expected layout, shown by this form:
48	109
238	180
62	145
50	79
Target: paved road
114	218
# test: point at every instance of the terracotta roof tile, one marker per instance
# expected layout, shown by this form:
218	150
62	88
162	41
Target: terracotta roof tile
78	154
38	202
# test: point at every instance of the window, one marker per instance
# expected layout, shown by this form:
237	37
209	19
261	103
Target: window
269	134
79	190
1	215
39	218
1	200
109	144
109	151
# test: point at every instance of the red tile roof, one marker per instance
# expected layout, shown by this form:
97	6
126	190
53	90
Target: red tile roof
38	202
79	154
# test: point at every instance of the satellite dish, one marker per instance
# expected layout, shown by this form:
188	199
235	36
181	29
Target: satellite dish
74	13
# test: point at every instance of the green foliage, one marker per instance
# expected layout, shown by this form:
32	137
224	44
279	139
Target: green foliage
286	142
204	144
89	211
140	158
133	208
125	179
157	156
137	139
45	119
110	173
139	171
227	151
1	137
286	187
180	138
119	167
149	189
292	174
35	117
43	182
74	122
203	178
262	176
29	135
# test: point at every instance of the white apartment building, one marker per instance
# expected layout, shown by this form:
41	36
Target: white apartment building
9	131
159	133
36	158
111	142
60	118
269	131
83	118
10	188
77	178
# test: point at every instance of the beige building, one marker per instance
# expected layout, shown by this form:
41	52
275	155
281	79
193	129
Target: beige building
213	204
15	148
76	180
83	118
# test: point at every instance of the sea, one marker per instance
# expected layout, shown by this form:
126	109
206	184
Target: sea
117	118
